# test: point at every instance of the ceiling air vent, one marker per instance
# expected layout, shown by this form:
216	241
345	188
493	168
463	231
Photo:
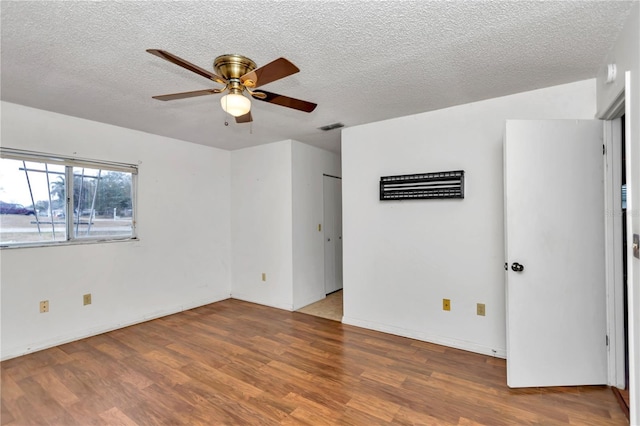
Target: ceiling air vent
331	127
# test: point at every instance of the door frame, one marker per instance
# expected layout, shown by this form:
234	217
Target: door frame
613	236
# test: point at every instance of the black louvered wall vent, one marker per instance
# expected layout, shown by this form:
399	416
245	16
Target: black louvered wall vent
423	186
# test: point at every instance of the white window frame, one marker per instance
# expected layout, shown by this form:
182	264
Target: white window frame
69	163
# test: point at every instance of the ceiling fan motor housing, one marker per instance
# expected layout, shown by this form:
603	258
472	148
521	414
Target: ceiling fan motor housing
233	66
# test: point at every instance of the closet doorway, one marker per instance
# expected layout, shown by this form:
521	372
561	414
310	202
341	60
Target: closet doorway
331	306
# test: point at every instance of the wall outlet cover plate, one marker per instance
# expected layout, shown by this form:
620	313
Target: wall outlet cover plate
446	304
480	309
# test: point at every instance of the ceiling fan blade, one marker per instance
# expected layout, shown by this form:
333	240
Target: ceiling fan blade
247	118
183	95
285	101
187	65
273	71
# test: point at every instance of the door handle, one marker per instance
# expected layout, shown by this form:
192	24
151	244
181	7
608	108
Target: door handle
328	239
516	267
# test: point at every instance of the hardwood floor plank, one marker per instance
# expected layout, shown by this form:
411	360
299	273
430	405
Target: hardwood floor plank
49	381
83	389
312	412
305	416
88	412
26	366
357	417
217	379
156	371
233	362
44	403
407	416
379	408
22	412
167	406
151	413
10	389
276	408
5	415
116	417
207	403
388	377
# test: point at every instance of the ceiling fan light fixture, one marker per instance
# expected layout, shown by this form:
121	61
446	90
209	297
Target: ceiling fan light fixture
238	74
235	104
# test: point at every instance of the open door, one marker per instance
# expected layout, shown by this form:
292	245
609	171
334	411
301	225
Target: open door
555	273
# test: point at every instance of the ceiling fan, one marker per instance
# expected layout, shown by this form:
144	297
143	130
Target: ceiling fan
238	74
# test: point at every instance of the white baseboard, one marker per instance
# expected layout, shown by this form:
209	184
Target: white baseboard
250	299
309	300
8	353
426	337
93	331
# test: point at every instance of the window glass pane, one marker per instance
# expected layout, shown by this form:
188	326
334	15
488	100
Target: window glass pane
31	202
102	203
35	207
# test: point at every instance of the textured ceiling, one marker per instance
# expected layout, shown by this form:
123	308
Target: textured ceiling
360	61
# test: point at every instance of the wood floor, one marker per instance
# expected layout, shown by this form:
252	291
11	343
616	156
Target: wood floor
238	363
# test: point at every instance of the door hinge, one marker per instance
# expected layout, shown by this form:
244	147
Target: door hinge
604	150
606	340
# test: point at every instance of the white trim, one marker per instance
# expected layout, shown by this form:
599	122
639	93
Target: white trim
615	109
632	321
613	252
94	331
309	300
252	299
42	157
427	337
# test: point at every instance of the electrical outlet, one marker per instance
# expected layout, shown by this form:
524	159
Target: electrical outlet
86	299
446	304
264	276
480	309
44	306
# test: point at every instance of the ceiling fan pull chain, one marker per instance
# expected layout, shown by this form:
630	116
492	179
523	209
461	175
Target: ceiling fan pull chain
227	115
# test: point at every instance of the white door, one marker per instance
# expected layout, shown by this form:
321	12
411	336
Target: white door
554	208
332	234
338	228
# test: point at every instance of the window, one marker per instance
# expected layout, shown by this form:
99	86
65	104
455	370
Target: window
36	210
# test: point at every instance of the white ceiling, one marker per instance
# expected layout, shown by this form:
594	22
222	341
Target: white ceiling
360	61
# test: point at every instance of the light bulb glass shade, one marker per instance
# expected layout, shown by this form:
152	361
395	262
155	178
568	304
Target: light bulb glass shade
235	104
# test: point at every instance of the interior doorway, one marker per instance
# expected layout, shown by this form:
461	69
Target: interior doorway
332	202
331	306
616	149
624	393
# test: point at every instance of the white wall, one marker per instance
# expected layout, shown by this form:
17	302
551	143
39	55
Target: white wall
401	258
626	55
182	257
309	165
261	218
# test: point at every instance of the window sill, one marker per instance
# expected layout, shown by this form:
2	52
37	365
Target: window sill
69	243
